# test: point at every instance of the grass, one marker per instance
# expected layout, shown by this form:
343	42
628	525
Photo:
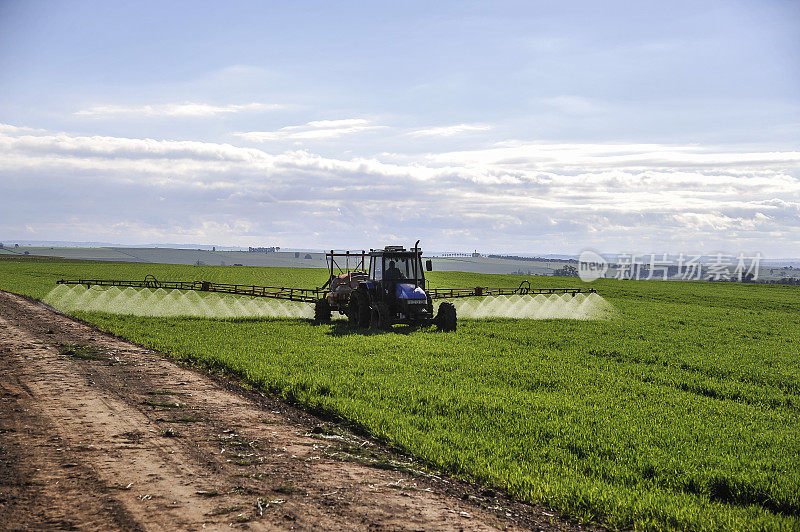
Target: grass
286	489
681	413
81	352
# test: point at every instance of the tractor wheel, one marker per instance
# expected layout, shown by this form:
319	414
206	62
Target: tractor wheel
362	308
446	319
322	311
379	320
352	310
374	319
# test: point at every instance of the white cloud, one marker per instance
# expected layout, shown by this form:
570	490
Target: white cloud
315	130
569	157
516	196
175	110
8	128
449	131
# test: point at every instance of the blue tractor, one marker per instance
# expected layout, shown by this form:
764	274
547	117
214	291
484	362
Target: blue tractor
395	292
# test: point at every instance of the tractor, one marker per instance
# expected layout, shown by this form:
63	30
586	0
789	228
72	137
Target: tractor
391	291
394	292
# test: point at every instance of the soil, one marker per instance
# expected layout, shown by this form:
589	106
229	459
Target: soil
99	434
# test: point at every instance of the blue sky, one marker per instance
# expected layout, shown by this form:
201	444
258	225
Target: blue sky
503	126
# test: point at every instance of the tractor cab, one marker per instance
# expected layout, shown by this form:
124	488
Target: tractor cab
398	274
396	264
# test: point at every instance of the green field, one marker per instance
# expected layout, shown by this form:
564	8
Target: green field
681	412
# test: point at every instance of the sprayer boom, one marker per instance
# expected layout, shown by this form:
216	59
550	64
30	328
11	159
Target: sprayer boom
524	288
303	295
312	295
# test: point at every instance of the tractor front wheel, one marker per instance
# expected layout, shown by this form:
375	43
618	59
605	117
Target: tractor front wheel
446	319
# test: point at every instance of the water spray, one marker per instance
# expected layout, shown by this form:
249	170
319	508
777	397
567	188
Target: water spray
160	302
169	303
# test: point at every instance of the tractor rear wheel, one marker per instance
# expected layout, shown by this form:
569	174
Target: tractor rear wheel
322	311
379	319
362	308
374	318
352	310
446	319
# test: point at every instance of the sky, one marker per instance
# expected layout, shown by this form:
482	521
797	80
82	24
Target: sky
507	127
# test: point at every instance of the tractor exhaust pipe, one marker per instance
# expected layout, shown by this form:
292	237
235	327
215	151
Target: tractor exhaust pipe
416	260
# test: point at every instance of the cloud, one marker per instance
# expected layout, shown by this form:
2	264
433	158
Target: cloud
9	129
513	196
175	110
449	131
316	130
570	157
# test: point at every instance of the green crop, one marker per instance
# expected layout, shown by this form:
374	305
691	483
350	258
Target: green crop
682	412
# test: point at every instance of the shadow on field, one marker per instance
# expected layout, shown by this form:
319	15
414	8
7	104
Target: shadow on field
343	328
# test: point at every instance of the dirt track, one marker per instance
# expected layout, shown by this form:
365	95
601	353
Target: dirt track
114	436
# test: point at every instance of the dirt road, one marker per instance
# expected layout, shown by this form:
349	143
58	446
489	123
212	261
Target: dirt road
97	433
